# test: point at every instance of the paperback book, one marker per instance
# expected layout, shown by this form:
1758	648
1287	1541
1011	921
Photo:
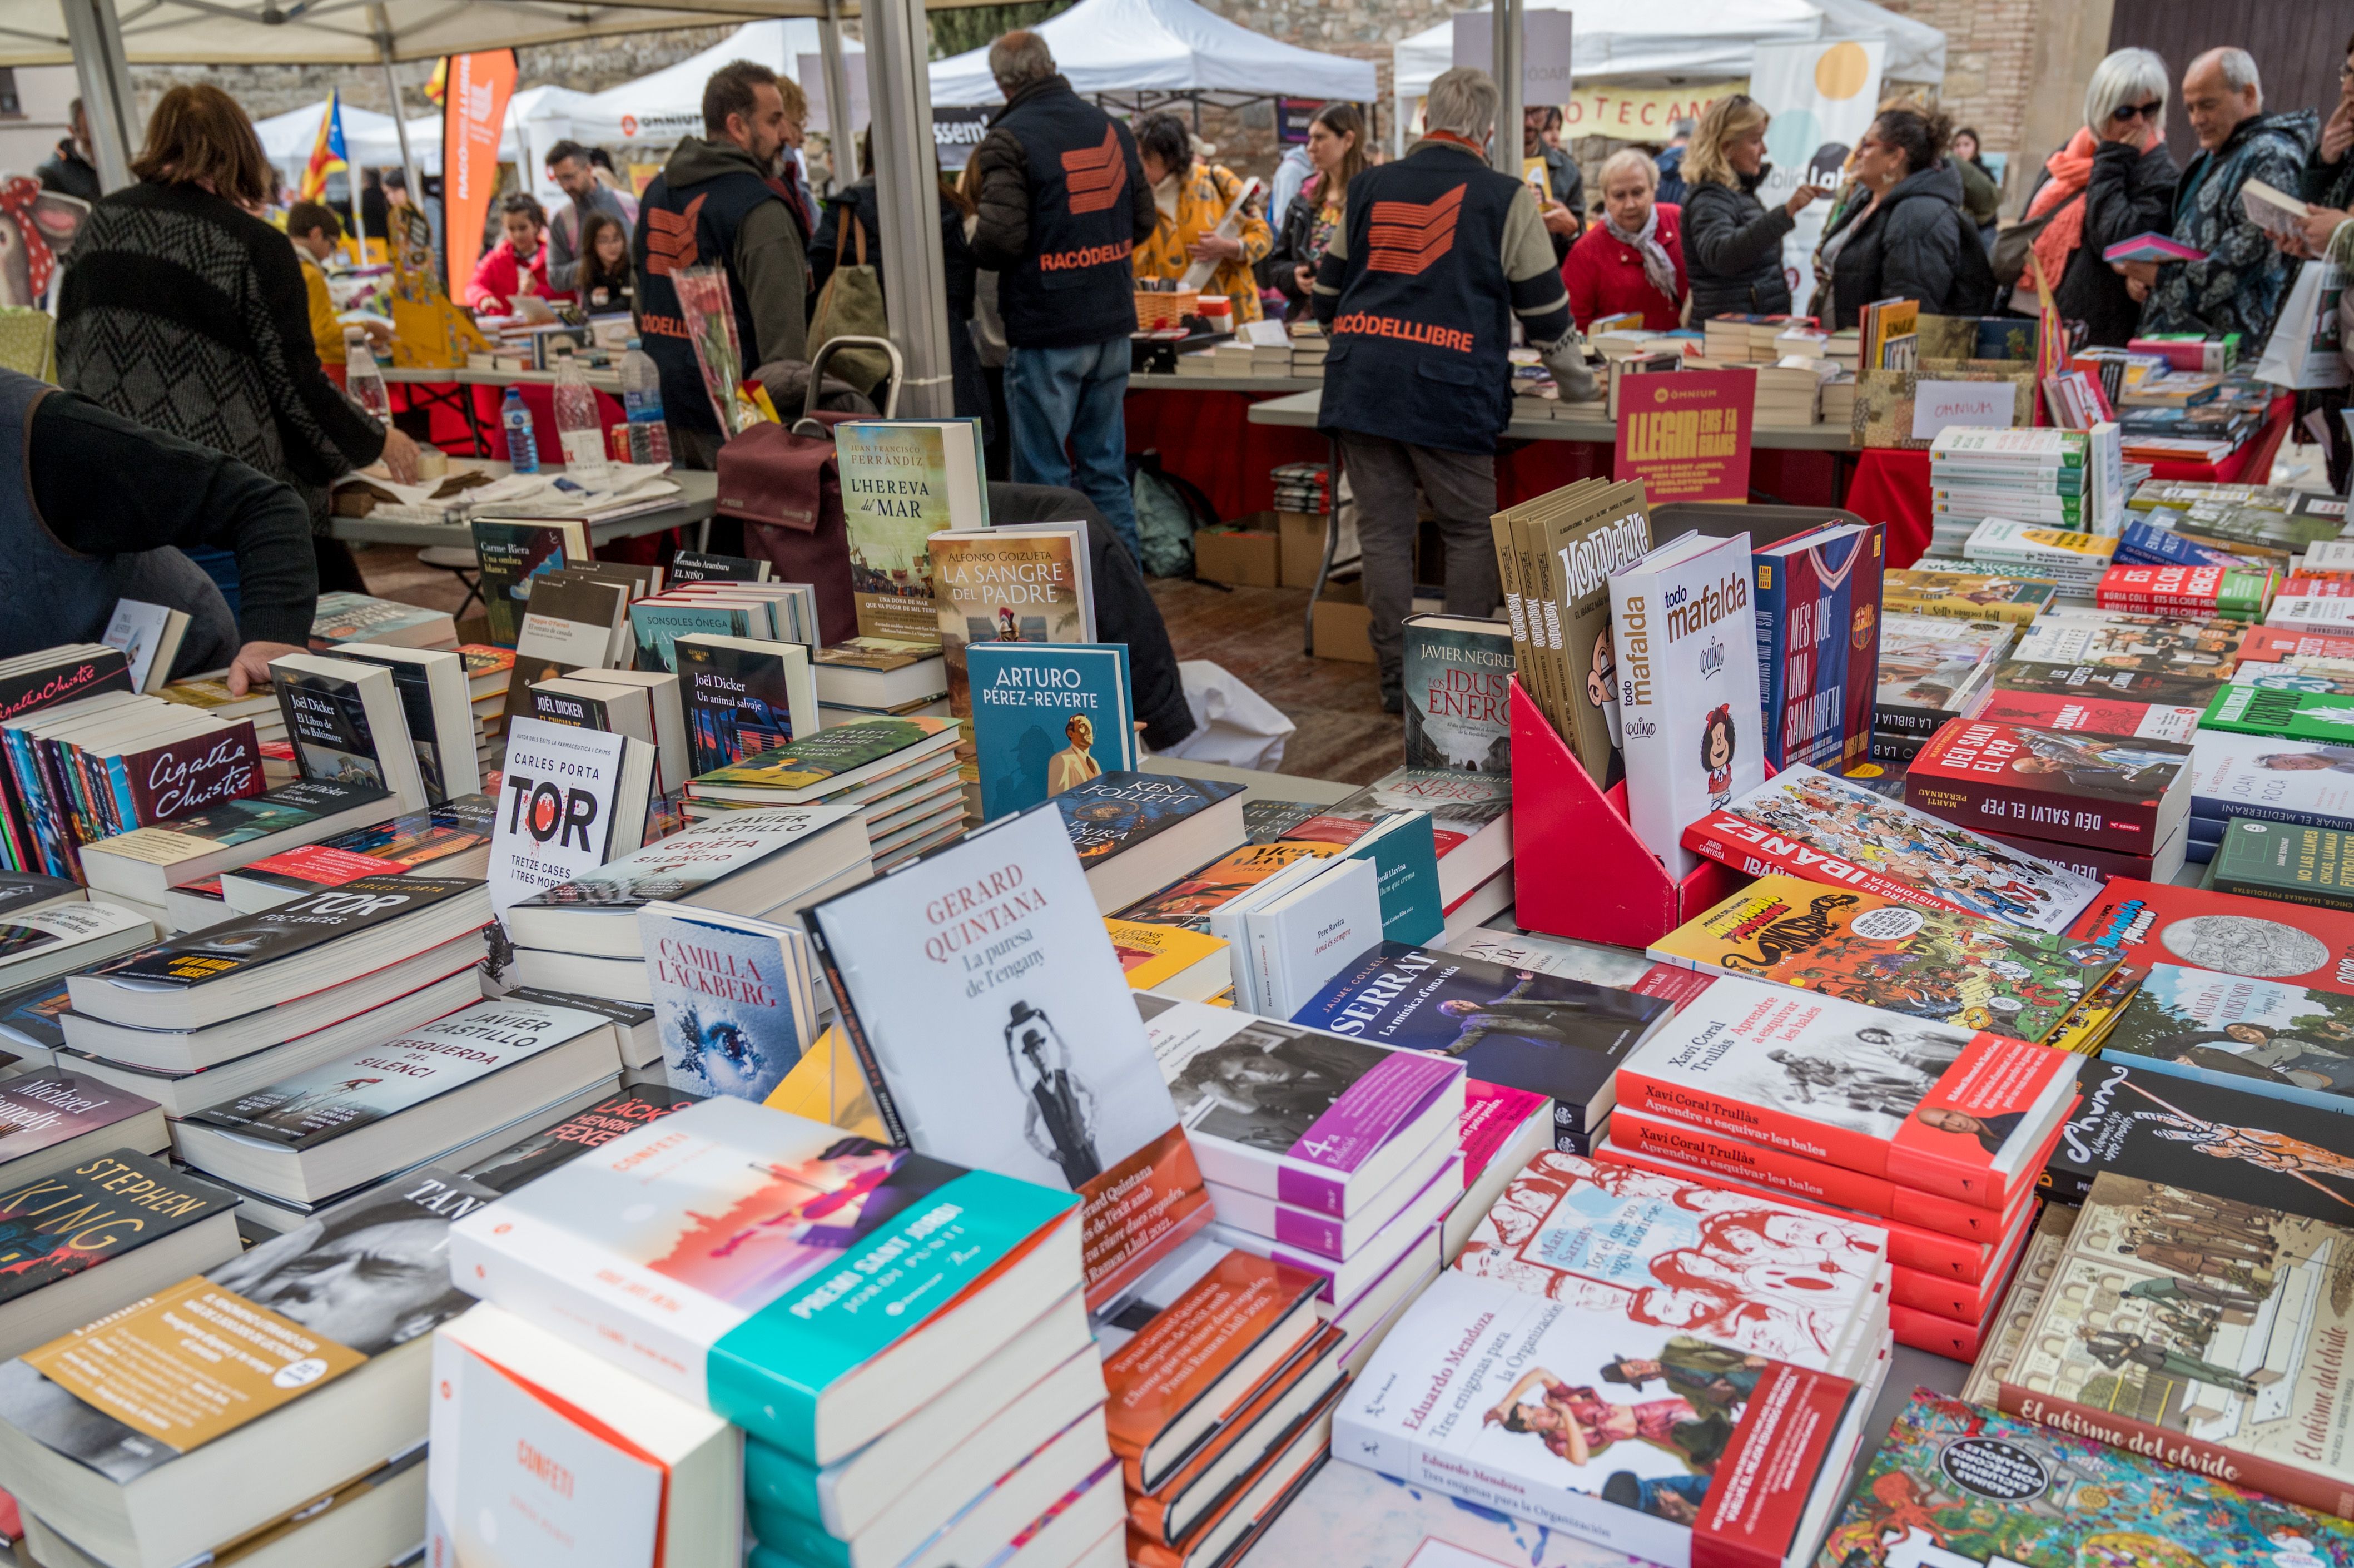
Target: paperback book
2148	923
1556	556
902	482
1458	677
1008	585
617	1116
2287	713
512	555
1188	900
732	996
743	697
2306	783
2292	866
1964	595
2090	715
1047	717
2239	1146
346	721
1934	668
1110	815
2285	1041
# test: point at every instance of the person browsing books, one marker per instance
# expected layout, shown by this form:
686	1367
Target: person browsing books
2113	181
1911	240
1633	260
1190	199
568	240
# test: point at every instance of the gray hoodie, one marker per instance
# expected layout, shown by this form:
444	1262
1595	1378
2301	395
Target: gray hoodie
768	266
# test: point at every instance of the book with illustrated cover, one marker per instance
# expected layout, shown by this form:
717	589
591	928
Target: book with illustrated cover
2036	1261
657	624
1560	550
742	697
819	763
1758	1276
1819	630
2098	790
1188	900
1265	821
346	721
1462	805
2300	672
2293	865
1934	668
1572	959
2150	923
1108	815
689	863
2202	1331
453	836
1047	717
513	555
732	997
2215	1136
2263	1037
2091	714
618	1116
1810	824
902	482
1009	585
190	847
1964	595
2290	714
347	617
193	959
2163	642
2272	778
1937	1108
1962	969
1458	676
1150	955
111	1204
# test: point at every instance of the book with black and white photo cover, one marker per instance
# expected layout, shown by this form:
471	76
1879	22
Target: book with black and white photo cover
574	619
1688	694
2309	783
704	566
742	696
617	1116
144	863
149	636
99	1234
993	1021
1935	668
436	702
1459	681
347	725
129	1484
572	799
732	996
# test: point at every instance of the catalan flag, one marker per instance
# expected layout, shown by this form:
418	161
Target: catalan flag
326	152
437	86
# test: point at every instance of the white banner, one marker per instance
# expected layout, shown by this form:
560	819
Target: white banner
1822	96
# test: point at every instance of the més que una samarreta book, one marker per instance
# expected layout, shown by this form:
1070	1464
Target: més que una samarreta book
1818	644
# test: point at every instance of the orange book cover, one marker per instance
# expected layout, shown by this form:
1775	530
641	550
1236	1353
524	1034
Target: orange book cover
1149	1515
1271	1484
1227	877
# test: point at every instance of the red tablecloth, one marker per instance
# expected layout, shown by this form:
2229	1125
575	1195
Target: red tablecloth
1893	487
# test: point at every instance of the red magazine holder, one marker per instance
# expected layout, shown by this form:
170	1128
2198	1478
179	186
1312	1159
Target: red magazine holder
1578	868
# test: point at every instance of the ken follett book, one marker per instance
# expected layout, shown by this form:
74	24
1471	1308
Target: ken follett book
1047	716
1117	811
1560	1038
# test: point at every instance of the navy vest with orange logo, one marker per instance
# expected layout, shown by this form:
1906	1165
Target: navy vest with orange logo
1076	285
1422	336
678	228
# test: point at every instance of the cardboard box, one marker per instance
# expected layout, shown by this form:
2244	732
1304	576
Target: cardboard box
1245	557
1342	625
1302	533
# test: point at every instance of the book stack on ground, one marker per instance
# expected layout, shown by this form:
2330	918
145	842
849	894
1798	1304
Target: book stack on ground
2054	792
1932	669
879	677
901	774
1302	486
2073	559
901	1341
344	616
1929	1130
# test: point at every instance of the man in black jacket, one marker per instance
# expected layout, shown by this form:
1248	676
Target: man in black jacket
1064	203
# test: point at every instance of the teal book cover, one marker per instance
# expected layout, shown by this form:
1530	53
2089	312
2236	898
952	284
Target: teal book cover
1047	716
658	627
1406	868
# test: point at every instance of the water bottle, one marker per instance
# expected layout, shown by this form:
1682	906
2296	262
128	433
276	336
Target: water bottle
576	424
641	396
523	447
361	379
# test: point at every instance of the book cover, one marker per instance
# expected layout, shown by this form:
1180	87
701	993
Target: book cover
1460	804
713	1254
1349	1514
2102	791
1149	955
2206	590
1755	1275
731	997
1965	596
994	1027
2091	714
196	959
347	617
1047	716
377	1082
1932	669
1940	1109
2263	1037
1668	1446
2273	779
1560	1038
2150	923
678	867
2214	1135
738	700
2142	543
1961	970
1117	810
141	631
512	554
827	753
1188	900
191	774
278	810
2069	555
2305	672
1576	552
1002	585
455	827
1818	628
50	1106
2293	865
567	626
2172	688
902	482
2287	713
2278	642
656	625
327	719
1810	824
113	1204
562	812
2202	1330
2163	642
532	1157
1458	676
704	566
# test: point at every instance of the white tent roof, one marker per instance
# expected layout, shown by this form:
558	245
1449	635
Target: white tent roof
1697	39
659	109
1162	45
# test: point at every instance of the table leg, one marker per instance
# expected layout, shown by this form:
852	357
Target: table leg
1332	547
703	537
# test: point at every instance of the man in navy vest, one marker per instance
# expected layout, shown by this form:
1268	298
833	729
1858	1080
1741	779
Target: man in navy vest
1062	204
1439	255
718	201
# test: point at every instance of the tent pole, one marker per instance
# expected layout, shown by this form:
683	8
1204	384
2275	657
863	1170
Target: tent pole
102	71
906	190
1504	154
399	119
842	135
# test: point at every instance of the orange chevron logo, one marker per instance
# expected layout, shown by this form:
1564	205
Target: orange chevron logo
1098	178
1407	237
670	238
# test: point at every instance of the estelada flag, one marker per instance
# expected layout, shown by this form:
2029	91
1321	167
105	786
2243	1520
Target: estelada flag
437	86
326	151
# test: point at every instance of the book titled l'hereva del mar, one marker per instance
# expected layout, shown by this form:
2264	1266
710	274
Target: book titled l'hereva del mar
813	1286
1047	716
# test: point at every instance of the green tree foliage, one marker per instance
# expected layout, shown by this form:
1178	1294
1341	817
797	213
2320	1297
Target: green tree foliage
970	26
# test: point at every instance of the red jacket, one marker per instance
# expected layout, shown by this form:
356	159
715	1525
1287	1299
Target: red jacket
1604	277
500	272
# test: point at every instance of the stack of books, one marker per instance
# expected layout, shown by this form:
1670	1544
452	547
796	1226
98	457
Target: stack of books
139	869
764	611
1302	487
2074	561
1309	348
2207	591
2061	479
1964	595
879	677
2053	792
1743	339
1471	833
1932	669
452	839
1789	395
901	773
1136	833
344	617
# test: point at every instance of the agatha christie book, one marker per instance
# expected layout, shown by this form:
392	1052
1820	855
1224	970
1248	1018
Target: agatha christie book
2148	923
1818	628
1833	831
1931	669
2100	791
1458	674
1962	969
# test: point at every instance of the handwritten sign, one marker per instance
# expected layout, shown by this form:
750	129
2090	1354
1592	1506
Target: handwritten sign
1685	434
1939	406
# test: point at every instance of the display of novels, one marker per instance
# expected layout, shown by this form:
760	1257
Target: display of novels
1458	676
1932	669
742	696
512	555
1190	900
1047	717
2094	791
141	865
902	482
2295	865
733	997
451	839
1962	969
347	725
1556	556
1009	585
1819	632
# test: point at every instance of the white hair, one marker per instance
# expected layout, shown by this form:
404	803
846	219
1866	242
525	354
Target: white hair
2125	77
1628	159
1018	59
2239	69
1462	100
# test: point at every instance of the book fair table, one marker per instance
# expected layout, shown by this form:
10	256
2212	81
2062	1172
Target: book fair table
1203	429
463	404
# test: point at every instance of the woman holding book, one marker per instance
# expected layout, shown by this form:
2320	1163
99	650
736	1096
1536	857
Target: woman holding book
1193	198
2114	180
1336	150
1733	244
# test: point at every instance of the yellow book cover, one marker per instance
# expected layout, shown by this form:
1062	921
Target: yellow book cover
1153	954
826	1086
1966	596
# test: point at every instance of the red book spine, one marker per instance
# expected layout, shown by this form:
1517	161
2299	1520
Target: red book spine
1947	1337
2093	715
185	776
2287	1482
1766	1476
1964	776
1968	1302
1755	851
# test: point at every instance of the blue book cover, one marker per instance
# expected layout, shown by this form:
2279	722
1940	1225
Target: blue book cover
1813	643
1047	717
1107	814
731	997
2147	545
657	628
1545	1033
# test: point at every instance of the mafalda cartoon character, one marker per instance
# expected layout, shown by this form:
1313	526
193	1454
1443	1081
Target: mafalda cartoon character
1716	746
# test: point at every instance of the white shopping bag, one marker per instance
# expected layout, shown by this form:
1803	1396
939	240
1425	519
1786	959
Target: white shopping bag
2304	350
1232	723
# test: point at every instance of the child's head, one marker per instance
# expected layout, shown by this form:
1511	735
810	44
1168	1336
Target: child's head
314	228
525	220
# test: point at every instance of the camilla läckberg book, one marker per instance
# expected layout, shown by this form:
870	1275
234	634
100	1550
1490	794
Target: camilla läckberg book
995	1027
732	999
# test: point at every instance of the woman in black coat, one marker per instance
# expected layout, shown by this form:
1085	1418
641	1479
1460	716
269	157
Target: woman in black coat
1733	244
2112	181
1911	240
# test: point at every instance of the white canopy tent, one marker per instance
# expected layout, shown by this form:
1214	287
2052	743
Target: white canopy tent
1163	46
368	137
657	110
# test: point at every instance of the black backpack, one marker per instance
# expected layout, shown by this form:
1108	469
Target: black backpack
1974	283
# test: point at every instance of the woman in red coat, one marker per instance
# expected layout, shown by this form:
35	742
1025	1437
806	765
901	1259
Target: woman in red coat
1633	259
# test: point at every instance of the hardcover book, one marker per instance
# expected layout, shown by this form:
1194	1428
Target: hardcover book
2151	922
1047	717
902	482
2092	716
1833	831
978	989
1008	585
743	698
732	996
1964	595
2272	778
512	554
2101	791
2284	1042
2223	1140
1108	815
1932	670
1961	970
2293	865
1928	1105
1755	1275
1458	677
1819	630
624	1112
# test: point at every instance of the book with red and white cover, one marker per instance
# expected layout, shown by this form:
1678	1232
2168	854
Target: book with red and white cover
1810	825
2158	923
1928	1106
2239	591
1750	1273
2270	644
2094	716
2107	791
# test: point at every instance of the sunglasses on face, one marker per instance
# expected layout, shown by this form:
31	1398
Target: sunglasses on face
2136	111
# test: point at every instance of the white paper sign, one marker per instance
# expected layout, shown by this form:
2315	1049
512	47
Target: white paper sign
1546	36
1266	335
556	808
1939	406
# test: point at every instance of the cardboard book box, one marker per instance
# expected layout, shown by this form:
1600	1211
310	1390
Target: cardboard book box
1242	558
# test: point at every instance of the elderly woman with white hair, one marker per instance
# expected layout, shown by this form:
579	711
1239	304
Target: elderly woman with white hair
2115	179
1632	262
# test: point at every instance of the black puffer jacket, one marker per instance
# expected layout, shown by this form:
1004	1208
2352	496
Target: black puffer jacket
1916	244
1733	250
2128	193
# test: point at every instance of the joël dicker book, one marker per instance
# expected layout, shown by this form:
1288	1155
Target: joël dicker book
996	1029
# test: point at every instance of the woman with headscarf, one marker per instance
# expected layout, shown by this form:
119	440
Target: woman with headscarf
1633	260
2113	180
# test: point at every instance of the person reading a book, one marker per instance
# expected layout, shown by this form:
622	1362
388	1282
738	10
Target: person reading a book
1190	199
2112	182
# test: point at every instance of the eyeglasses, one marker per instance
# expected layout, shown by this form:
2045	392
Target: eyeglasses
2138	110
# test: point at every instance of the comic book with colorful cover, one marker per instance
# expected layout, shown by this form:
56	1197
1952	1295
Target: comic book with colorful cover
2150	923
1188	900
1965	596
1961	970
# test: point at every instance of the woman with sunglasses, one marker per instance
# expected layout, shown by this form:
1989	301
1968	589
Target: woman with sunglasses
2115	179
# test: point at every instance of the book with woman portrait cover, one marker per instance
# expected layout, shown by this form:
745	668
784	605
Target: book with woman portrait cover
1665	1446
1939	1109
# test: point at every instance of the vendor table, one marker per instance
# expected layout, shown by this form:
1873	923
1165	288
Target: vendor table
1211	440
1892	487
698	491
457	392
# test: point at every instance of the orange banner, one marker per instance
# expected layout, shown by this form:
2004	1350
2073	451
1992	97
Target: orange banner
473	110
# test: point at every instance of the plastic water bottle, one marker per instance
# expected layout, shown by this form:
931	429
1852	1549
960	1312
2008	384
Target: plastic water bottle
361	379
576	424
523	446
641	396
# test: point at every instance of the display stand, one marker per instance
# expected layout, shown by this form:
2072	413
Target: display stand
1579	869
